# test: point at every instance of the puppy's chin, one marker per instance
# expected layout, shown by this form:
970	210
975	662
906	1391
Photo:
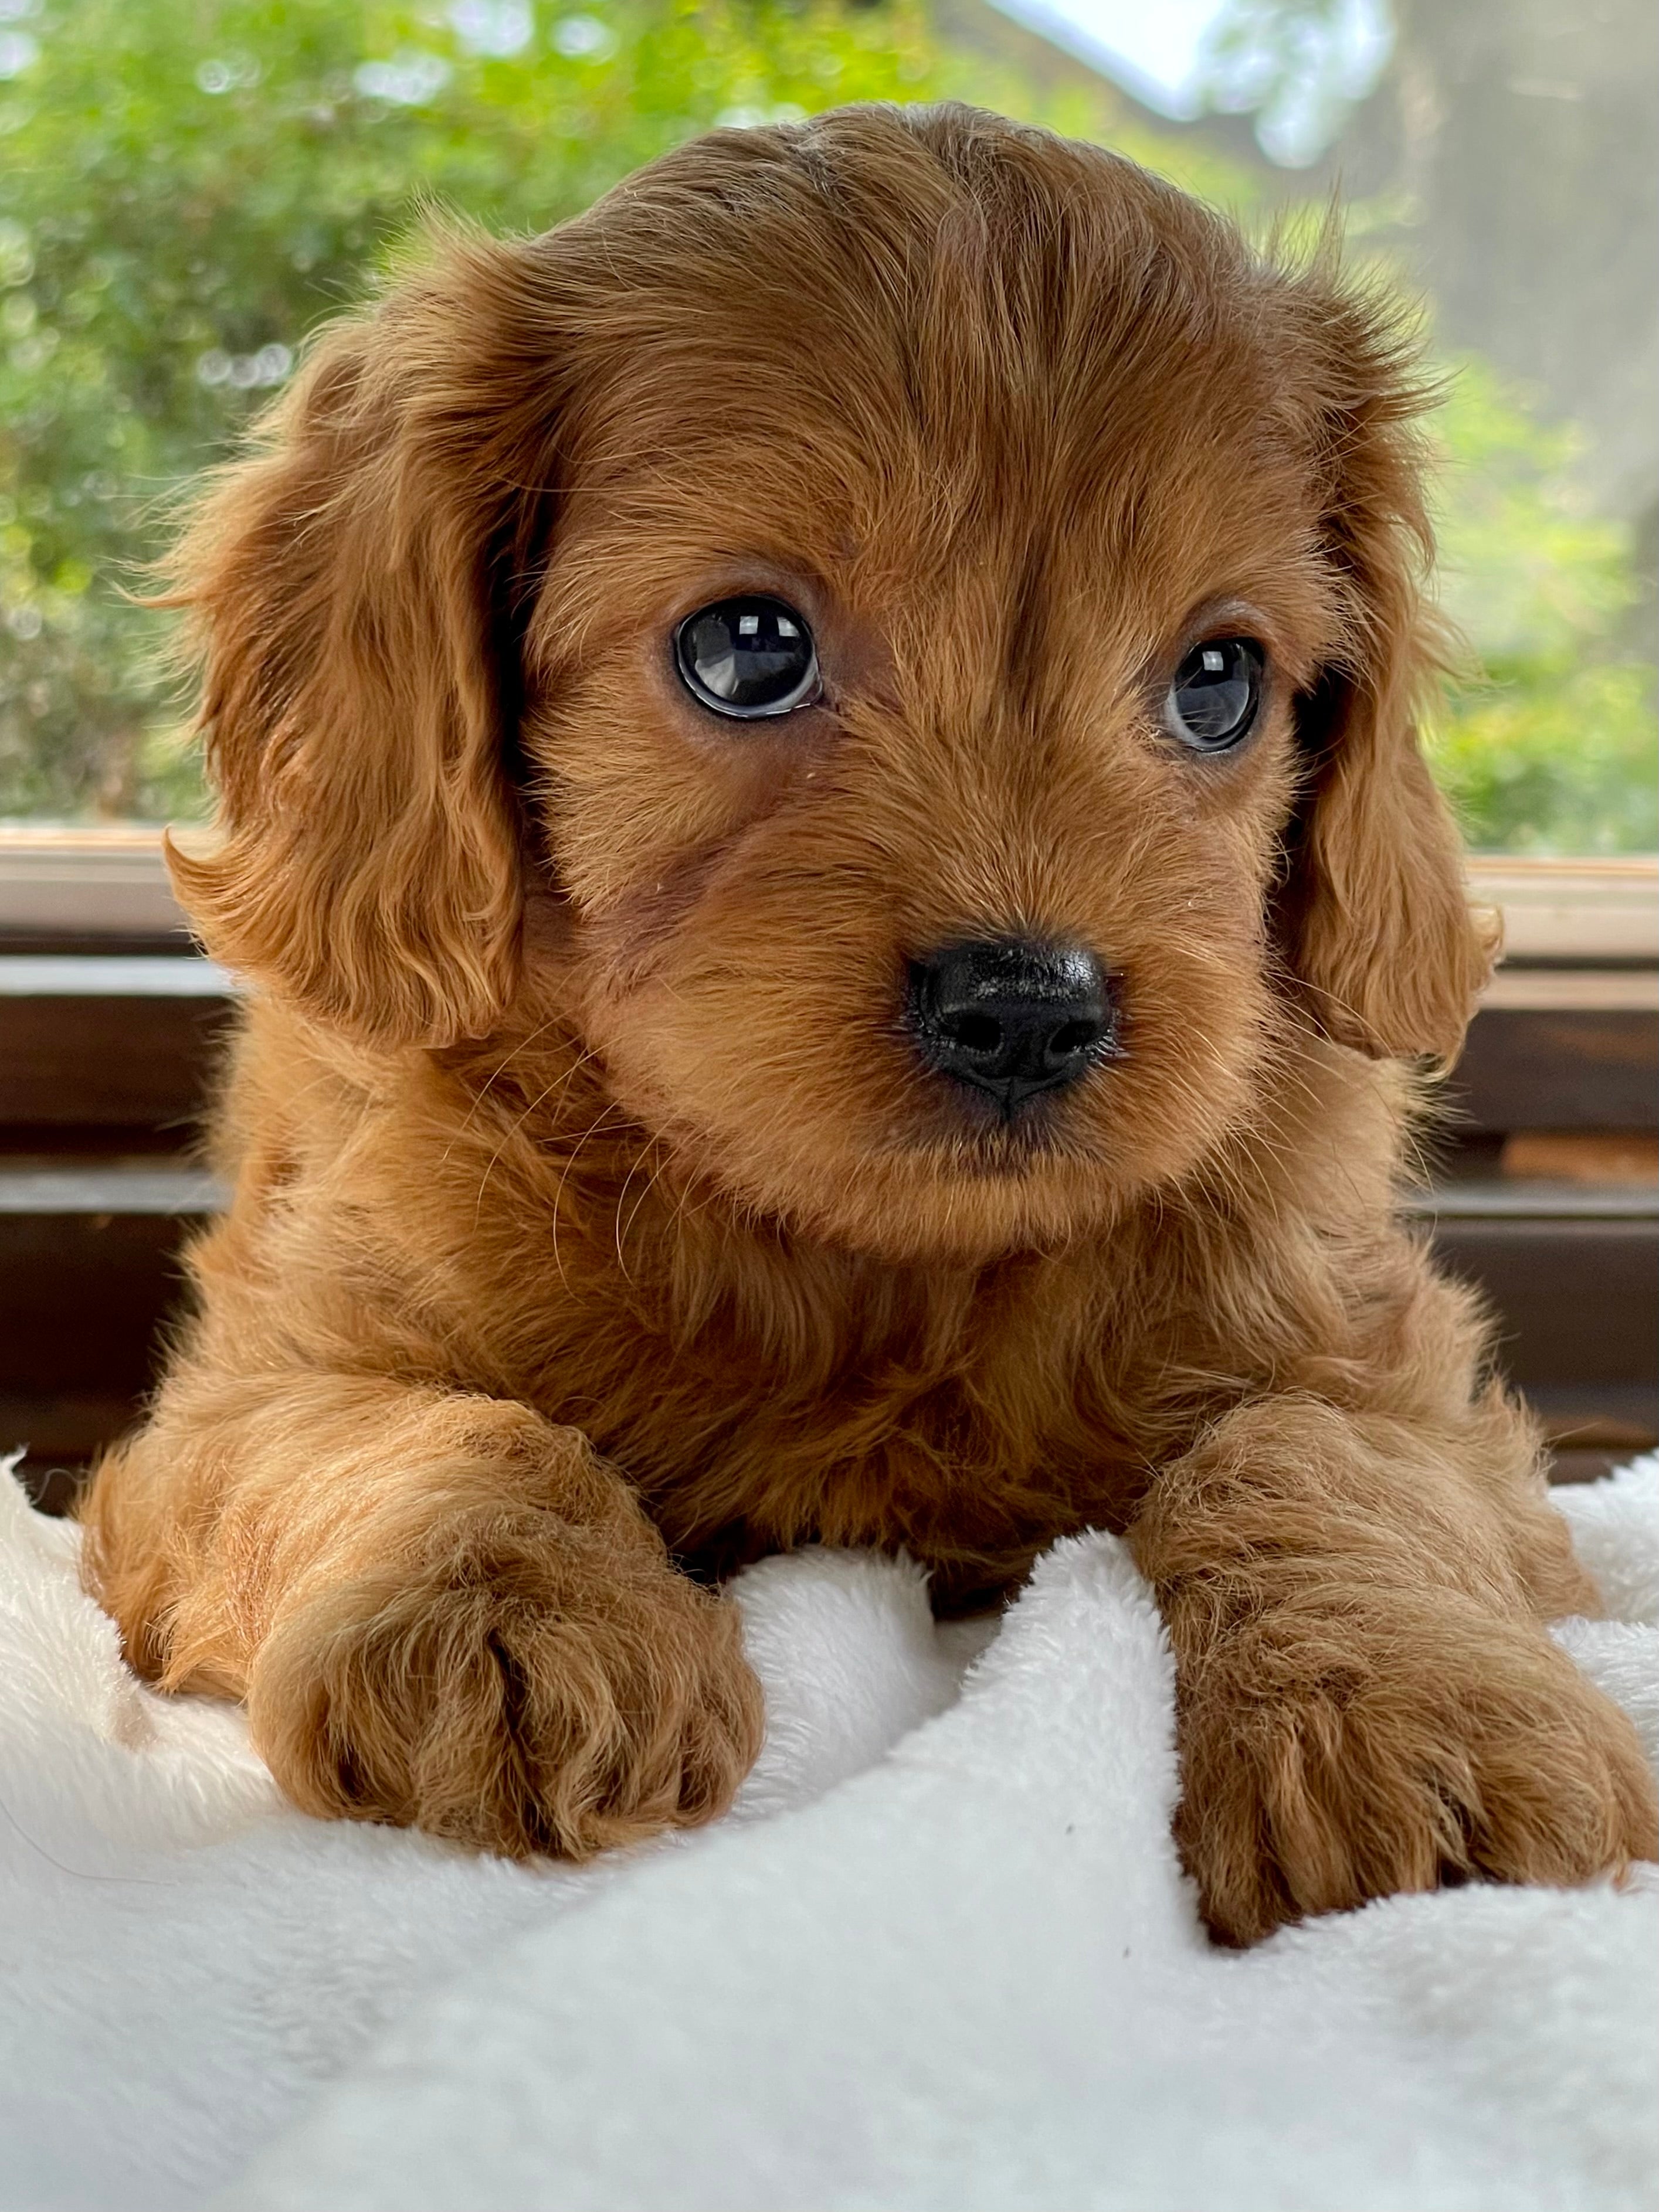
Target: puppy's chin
966	1200
972	1203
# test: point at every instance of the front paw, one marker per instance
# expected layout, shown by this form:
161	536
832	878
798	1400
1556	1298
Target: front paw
1328	1761
529	1687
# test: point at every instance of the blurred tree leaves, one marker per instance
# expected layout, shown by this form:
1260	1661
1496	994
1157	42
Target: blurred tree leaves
188	186
1547	742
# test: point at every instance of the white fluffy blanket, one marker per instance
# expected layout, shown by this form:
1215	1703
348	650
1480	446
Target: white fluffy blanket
940	1956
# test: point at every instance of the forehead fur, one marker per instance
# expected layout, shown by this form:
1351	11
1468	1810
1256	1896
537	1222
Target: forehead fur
888	341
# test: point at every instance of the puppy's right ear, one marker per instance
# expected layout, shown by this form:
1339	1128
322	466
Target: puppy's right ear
350	590
1374	912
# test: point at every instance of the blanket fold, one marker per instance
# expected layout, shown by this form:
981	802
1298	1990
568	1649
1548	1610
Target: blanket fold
941	1954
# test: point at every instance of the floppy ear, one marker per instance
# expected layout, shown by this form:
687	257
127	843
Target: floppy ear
1376	916
351	591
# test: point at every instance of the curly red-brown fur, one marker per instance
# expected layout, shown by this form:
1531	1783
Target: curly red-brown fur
596	1226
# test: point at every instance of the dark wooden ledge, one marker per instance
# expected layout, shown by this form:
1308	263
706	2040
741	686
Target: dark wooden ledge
1546	1196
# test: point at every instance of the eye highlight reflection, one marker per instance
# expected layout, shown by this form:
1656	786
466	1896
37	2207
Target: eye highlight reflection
1212	702
749	659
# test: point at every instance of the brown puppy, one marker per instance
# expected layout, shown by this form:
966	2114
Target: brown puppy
819	792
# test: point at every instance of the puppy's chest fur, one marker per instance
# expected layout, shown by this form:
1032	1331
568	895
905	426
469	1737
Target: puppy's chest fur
957	1419
760	1391
760	1396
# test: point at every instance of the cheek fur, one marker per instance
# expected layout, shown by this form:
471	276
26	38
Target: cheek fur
747	1007
639	811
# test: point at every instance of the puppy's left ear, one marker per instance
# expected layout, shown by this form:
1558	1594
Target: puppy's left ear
1375	914
353	584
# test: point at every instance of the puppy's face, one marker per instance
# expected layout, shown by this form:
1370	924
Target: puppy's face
955	609
913	729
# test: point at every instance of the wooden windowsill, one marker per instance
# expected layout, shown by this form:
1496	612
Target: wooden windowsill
1587	913
75	884
60	883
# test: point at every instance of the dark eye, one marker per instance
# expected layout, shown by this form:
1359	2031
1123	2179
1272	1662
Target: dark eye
747	658
1217	690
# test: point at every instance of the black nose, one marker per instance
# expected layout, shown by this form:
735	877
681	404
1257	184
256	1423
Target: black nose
1011	1018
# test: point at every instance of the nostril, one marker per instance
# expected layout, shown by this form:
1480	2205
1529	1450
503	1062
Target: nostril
973	1032
1074	1037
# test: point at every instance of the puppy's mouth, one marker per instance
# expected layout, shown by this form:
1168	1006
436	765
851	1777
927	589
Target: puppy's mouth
979	1137
1003	1160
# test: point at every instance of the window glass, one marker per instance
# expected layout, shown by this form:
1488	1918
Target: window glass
185	192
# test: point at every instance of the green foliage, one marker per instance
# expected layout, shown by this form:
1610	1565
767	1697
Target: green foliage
188	186
185	190
1549	742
